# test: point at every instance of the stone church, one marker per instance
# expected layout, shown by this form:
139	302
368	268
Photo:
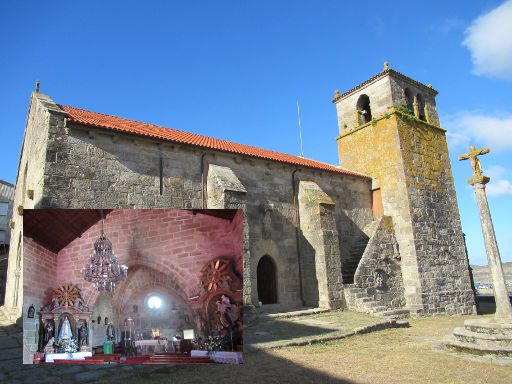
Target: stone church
381	233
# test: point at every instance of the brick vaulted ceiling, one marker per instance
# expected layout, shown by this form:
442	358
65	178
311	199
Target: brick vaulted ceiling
56	228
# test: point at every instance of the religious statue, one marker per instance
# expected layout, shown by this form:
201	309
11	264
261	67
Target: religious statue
65	331
379	280
55	303
83	335
155	333
472	155
228	313
48	332
111	333
31	311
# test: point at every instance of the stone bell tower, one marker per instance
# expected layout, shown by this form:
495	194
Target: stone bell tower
389	129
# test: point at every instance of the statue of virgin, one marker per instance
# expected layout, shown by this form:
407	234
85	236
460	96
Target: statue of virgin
65	330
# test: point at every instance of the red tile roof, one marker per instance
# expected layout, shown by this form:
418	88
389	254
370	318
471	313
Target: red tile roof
95	119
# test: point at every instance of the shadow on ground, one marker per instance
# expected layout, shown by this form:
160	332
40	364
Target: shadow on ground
260	366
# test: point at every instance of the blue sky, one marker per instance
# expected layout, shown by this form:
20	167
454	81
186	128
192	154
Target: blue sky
234	70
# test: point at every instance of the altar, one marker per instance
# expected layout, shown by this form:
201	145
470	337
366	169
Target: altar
160	344
220	357
50	357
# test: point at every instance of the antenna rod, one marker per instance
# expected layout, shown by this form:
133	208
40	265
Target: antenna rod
300	130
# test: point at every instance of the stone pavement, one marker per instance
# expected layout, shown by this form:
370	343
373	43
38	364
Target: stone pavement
309	326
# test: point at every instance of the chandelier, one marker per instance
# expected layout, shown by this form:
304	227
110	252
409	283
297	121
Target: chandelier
103	269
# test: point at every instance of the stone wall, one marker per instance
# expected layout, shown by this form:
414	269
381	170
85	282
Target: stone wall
409	161
384	92
436	224
40	265
88	167
43	116
379	269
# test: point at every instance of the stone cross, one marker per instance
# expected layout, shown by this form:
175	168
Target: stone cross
478	181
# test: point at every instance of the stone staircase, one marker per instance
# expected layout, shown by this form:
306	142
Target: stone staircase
482	337
349	266
358	299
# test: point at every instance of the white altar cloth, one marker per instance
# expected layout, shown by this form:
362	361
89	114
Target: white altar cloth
49	357
140	343
144	344
221	356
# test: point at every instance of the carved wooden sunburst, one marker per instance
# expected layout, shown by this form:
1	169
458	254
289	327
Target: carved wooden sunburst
66	295
214	274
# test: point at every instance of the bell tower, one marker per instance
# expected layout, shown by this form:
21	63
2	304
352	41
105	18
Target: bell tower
389	129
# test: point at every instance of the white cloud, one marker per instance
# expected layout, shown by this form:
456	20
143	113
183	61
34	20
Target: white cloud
474	128
489	39
497	188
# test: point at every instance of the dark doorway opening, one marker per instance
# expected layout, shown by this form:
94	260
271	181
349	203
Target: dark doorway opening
267	281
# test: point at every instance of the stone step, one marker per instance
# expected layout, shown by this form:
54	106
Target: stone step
489	327
484	339
395	314
379	308
458	346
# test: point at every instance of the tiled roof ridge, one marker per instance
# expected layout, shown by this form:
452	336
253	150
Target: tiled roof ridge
96	119
377	76
6	183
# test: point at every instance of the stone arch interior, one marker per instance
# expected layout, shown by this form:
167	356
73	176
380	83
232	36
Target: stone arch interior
267	280
363	109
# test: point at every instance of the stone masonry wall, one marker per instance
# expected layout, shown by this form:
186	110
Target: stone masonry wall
436	224
43	114
409	162
379	269
40	265
323	263
89	167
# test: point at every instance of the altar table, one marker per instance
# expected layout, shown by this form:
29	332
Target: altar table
151	343
220	356
66	356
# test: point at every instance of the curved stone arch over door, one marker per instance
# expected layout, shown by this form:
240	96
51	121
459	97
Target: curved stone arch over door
266	273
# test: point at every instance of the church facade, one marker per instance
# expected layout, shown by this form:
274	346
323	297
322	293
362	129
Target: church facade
380	235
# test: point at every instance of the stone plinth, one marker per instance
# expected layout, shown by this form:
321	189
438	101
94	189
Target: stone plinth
482	337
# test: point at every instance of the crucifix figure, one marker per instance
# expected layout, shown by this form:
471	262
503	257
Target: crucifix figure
472	155
478	181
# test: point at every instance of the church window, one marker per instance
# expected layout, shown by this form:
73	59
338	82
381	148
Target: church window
421	106
363	109
4	207
154	302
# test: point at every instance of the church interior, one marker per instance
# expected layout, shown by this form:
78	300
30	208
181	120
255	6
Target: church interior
132	286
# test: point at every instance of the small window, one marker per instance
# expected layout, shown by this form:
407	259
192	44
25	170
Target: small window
2	237
4	208
154	302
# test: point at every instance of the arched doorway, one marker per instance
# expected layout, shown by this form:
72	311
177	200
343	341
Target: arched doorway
267	281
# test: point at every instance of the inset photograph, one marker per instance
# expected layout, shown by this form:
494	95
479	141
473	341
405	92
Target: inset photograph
132	286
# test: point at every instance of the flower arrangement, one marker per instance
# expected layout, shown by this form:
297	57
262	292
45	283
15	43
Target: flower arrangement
213	344
67	346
